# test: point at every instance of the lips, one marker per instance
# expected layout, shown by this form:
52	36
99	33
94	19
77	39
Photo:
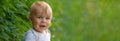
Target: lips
42	26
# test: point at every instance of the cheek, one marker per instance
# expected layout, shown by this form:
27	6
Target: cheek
36	22
48	24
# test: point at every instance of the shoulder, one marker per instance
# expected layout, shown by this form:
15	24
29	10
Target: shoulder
48	31
29	36
28	32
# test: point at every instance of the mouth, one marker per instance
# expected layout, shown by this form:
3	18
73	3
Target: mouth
42	26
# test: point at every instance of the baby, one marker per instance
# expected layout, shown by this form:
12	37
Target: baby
40	16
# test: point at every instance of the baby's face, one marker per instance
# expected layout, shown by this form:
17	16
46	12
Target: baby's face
41	20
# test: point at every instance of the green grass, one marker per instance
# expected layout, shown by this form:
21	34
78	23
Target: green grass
73	20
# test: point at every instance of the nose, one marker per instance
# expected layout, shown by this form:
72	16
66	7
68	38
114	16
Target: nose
43	20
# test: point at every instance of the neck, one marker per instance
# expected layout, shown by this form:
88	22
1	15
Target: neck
42	32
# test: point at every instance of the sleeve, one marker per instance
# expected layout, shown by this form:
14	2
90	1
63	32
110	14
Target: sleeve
29	37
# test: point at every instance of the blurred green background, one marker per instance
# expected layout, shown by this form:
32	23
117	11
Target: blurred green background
73	20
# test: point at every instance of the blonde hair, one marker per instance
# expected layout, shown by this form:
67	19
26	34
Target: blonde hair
42	5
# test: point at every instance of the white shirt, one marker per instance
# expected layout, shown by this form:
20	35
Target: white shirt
32	35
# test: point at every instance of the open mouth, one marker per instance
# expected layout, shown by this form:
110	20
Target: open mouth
42	26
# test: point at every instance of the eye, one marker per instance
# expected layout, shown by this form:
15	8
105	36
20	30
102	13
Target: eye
47	18
39	17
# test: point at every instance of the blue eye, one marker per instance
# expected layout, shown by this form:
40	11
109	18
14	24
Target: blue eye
47	18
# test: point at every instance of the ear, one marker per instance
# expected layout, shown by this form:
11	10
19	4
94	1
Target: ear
30	18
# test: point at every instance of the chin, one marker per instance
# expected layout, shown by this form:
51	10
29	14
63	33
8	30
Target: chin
40	30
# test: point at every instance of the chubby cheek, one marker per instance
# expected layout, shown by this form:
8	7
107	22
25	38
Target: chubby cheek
36	23
48	24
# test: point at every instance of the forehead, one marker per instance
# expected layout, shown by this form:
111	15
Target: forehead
43	12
